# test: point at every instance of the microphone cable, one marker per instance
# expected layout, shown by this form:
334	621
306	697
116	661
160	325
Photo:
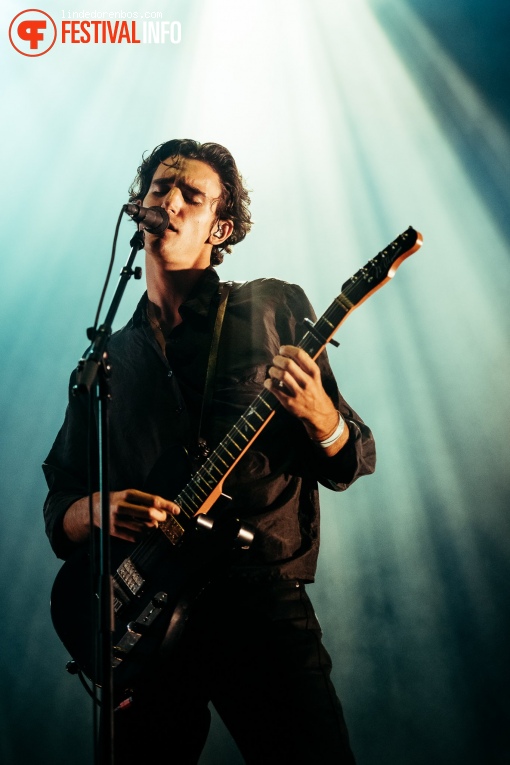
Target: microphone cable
110	268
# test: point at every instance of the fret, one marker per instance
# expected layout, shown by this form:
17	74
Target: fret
232	440
185	498
336	313
222	446
207	478
192	495
200	477
243	418
182	504
197	487
222	460
254	411
240	432
210	480
310	344
213	465
344	302
324	326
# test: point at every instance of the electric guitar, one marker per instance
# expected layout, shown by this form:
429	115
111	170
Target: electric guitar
156	581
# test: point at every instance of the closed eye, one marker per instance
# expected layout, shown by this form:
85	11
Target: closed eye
189	195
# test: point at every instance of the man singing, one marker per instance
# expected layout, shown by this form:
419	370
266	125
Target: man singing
252	644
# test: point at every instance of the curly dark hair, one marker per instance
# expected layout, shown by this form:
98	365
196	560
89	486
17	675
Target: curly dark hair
234	201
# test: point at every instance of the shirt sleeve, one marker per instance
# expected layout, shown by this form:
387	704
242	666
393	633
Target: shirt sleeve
65	470
357	457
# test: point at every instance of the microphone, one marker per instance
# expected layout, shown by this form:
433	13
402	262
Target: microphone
155	219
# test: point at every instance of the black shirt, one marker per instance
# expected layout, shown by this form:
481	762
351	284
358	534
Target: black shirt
155	414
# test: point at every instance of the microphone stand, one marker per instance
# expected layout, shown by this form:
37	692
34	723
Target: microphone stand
92	377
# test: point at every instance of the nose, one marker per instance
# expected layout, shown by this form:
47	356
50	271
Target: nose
173	200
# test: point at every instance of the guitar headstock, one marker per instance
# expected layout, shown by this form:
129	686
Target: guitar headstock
383	267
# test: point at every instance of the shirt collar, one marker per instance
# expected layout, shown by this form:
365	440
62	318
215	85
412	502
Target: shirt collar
198	301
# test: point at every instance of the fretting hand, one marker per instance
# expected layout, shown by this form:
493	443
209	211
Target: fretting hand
295	380
131	511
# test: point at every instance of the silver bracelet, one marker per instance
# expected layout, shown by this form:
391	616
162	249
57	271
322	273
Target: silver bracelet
335	435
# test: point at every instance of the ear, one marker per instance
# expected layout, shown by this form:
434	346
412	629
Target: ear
220	231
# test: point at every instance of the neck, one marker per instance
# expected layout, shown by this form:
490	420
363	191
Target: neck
168	290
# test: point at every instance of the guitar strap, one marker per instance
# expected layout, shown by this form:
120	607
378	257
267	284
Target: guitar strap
224	291
189	595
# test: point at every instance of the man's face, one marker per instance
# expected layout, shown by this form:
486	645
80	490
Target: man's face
190	191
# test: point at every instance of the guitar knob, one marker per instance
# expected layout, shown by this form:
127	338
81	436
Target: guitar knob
245	536
204	522
135	627
159	600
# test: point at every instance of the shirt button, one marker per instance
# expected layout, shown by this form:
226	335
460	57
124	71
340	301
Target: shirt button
179	409
170	373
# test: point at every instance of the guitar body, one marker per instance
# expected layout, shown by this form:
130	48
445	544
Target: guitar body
151	617
155	583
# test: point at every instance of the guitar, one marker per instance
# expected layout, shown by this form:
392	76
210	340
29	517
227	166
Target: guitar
156	581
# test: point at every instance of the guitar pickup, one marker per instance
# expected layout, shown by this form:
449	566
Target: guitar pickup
172	529
130	576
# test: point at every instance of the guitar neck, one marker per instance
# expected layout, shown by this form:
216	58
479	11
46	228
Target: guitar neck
202	491
205	487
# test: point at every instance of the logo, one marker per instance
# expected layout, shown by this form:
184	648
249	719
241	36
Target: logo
32	32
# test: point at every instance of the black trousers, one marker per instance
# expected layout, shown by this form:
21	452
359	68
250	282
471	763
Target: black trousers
255	652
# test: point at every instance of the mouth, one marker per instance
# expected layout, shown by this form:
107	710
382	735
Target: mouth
171	228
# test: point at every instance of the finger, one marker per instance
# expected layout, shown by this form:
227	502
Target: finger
144	499
129	535
284	369
140	513
151	500
125	522
279	388
275	386
130	528
300	357
126	528
139	497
